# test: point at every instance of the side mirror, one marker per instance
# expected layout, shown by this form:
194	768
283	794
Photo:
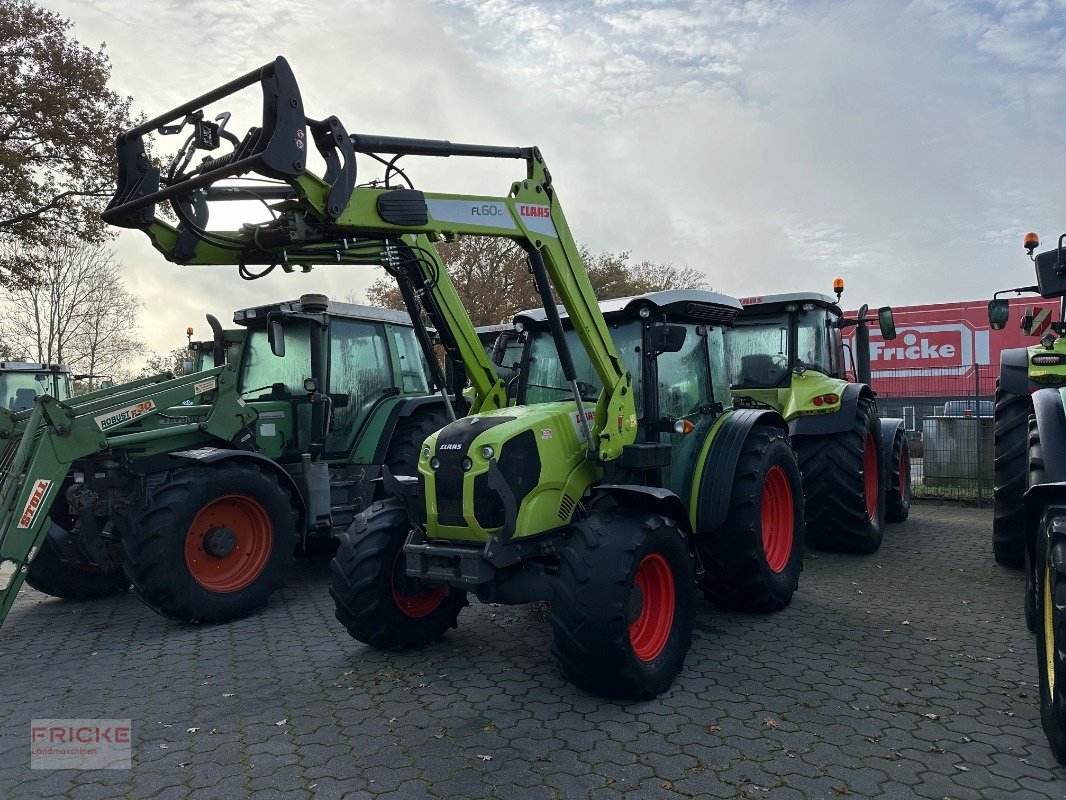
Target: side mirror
186	368
499	347
886	322
998	314
276	337
1027	321
663	338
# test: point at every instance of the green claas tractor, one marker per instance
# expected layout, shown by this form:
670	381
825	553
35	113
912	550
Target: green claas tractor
21	382
1030	500
199	489
787	353
568	499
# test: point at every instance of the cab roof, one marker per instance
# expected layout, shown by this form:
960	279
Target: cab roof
32	366
773	303
679	305
253	316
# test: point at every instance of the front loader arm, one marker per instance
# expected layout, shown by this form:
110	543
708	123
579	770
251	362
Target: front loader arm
37	450
330	220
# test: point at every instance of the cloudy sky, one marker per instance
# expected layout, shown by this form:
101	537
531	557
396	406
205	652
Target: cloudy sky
904	145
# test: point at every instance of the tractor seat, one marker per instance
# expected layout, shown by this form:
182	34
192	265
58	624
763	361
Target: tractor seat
23	399
759	370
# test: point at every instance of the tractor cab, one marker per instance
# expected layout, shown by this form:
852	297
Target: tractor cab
671	340
22	382
787	352
319	372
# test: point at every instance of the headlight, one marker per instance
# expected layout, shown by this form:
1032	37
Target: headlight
467	464
434	463
487	452
426	452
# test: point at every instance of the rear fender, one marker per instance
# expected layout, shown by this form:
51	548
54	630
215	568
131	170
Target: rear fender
1051	423
713	478
842	420
890	429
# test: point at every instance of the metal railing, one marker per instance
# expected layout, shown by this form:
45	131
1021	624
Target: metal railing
948	416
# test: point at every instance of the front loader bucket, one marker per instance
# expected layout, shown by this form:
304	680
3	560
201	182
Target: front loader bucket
277	149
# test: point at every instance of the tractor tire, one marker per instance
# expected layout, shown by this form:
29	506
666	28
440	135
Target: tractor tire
898	498
1035	476
753	561
406	446
51	575
1051	629
623	604
843	486
1008	508
213	544
376	601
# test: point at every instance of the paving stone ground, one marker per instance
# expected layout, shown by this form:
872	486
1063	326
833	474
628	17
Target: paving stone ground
904	674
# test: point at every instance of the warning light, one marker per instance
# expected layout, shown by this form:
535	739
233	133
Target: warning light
188	331
684	427
838	286
1032	241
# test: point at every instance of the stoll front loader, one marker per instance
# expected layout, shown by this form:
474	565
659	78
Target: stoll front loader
786	352
198	489
1030	523
561	500
21	382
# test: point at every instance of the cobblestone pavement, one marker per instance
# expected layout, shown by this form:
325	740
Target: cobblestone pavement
907	673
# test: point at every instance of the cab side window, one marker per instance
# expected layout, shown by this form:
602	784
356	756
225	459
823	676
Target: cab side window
359	373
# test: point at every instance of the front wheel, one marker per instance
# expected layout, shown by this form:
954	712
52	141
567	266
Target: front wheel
753	561
1051	630
623	603
375	599
213	544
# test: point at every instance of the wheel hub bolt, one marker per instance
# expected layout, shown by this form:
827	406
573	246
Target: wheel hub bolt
219	541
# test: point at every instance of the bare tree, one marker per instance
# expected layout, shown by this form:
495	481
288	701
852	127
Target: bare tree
492	278
58	122
78	312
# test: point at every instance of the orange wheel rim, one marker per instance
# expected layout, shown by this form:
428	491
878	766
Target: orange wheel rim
228	544
871	476
649	632
778	519
415	604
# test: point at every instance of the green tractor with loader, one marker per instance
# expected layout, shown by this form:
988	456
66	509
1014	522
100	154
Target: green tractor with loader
1029	515
787	352
22	382
566	498
198	490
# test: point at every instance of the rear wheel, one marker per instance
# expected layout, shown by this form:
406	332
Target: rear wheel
375	599
843	486
1008	509
624	599
214	543
898	499
753	561
1051	629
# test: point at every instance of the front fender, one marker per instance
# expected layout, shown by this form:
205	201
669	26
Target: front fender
842	420
713	478
1014	371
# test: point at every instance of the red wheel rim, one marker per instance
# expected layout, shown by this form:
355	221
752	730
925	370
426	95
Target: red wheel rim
871	476
651	629
253	539
904	475
419	604
778	519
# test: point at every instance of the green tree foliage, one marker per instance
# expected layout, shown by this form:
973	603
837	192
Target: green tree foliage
492	278
58	122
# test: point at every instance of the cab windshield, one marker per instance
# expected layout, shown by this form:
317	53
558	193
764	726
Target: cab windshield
544	377
261	369
762	352
19	389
